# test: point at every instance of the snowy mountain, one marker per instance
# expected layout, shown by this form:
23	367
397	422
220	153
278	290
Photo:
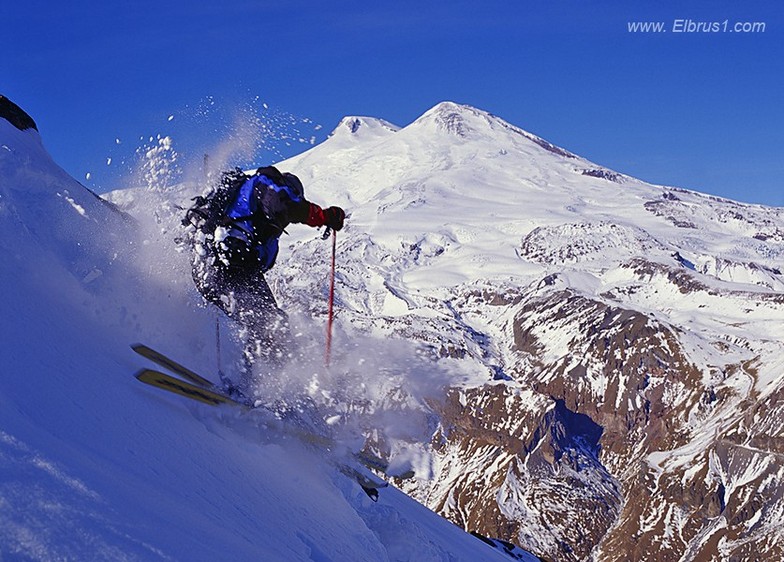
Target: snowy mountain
601	358
618	344
96	466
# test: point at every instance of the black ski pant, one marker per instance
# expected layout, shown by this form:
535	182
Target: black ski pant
243	294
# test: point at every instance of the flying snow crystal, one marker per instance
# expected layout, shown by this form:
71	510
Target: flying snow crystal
232	134
79	209
87	176
159	163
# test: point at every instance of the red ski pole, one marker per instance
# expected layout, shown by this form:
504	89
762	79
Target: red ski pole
330	312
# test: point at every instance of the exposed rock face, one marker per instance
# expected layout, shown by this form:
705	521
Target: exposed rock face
546	468
622	448
15	115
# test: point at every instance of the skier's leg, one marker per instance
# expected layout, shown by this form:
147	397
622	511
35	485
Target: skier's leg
268	325
226	288
244	295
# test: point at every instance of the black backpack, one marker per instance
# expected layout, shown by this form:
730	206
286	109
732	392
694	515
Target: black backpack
252	240
248	241
210	211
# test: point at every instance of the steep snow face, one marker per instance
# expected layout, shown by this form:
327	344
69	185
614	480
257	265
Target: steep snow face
42	201
97	467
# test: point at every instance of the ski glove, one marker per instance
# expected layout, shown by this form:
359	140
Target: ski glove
332	217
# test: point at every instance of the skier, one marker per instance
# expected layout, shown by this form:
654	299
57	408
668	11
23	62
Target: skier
241	244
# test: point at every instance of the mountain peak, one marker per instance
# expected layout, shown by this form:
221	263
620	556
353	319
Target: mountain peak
362	127
452	117
467	121
449	107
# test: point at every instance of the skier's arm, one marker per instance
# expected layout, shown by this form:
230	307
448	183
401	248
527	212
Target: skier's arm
313	215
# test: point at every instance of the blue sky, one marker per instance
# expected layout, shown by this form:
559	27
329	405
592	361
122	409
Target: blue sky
697	110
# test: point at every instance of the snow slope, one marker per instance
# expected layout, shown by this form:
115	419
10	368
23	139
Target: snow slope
96	466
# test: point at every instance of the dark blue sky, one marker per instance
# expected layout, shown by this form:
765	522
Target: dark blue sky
698	110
